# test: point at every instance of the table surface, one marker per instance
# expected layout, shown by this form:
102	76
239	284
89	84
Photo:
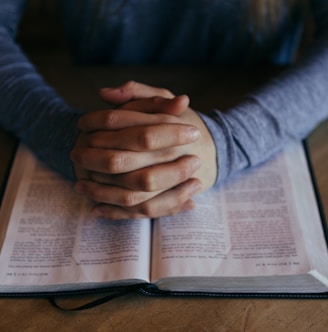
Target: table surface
208	88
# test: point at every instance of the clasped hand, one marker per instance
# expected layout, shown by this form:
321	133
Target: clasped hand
145	158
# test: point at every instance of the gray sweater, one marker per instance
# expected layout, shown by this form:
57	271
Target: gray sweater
173	32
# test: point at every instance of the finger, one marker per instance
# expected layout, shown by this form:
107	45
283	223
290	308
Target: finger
113	212
170	202
119	161
132	90
145	138
174	106
109	194
116	119
153	178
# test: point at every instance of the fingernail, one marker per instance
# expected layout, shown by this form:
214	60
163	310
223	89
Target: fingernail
193	133
195	164
196	187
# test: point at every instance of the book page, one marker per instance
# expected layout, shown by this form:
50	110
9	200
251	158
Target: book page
52	238
308	214
249	227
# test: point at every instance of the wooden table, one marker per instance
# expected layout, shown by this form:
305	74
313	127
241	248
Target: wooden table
208	87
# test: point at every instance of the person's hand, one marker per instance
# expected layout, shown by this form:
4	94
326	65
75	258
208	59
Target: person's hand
159	182
132	164
138	96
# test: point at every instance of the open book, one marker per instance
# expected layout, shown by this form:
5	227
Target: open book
261	233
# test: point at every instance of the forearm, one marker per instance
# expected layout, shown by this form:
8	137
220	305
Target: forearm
288	108
32	110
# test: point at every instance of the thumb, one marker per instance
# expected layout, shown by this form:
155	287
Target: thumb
175	106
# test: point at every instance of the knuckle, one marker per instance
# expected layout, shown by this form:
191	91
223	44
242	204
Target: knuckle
148	181
115	163
95	195
128	88
130	198
111	119
147	140
95	140
146	209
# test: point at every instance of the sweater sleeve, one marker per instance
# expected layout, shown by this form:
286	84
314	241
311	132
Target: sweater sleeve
28	106
287	108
